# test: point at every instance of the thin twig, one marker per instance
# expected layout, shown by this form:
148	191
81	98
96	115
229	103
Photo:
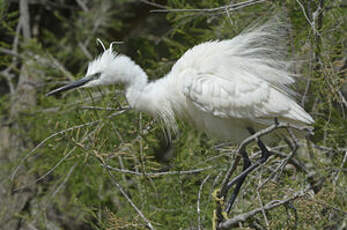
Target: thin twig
10	52
272	204
304	11
340	169
60	133
47	139
83	5
14	52
65	179
98	108
157	174
61	67
198	202
328	149
215	181
254	137
278	171
343	99
328	205
120	188
85	51
154	4
261	203
47	173
25	19
297	164
229	7
61	160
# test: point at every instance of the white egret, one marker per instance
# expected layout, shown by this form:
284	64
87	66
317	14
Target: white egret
228	89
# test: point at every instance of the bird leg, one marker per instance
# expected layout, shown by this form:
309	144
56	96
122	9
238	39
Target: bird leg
239	181
264	152
247	168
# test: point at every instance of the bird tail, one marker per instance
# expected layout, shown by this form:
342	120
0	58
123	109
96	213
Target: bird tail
266	49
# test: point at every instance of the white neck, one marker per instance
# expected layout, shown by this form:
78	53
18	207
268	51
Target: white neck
151	98
131	75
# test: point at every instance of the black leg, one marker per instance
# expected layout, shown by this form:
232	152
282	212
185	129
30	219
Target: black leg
246	164
247	168
264	152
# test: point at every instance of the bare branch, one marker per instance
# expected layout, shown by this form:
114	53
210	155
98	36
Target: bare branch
272	204
47	173
25	19
85	50
328	205
230	7
98	108
10	52
262	209
157	174
83	5
254	137
198	202
341	167
343	99
120	188
304	12
65	179
61	68
153	4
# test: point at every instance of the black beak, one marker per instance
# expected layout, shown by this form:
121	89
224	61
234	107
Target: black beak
72	85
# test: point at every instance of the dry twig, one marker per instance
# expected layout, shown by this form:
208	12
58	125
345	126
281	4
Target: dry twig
272	204
198	202
230	7
157	174
120	188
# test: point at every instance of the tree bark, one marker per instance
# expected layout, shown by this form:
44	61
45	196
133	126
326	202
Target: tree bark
13	142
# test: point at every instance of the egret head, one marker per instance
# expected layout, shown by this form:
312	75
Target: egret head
101	71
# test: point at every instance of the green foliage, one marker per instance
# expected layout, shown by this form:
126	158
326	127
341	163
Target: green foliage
68	165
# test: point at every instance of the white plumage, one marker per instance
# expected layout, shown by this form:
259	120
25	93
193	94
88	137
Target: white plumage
222	87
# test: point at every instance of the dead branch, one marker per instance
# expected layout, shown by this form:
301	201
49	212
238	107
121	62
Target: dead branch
157	174
65	179
120	188
153	4
230	7
340	169
226	182
198	202
254	137
271	205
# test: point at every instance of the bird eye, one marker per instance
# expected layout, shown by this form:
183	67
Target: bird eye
96	75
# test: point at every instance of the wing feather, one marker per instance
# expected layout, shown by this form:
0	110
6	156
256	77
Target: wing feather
244	77
227	99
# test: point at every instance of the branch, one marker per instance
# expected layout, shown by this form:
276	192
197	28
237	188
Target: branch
65	179
254	137
61	68
304	11
157	174
198	202
153	4
272	204
62	132
47	173
230	7
83	5
340	169
120	188
25	19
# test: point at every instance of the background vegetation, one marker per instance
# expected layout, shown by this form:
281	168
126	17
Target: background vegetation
76	161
